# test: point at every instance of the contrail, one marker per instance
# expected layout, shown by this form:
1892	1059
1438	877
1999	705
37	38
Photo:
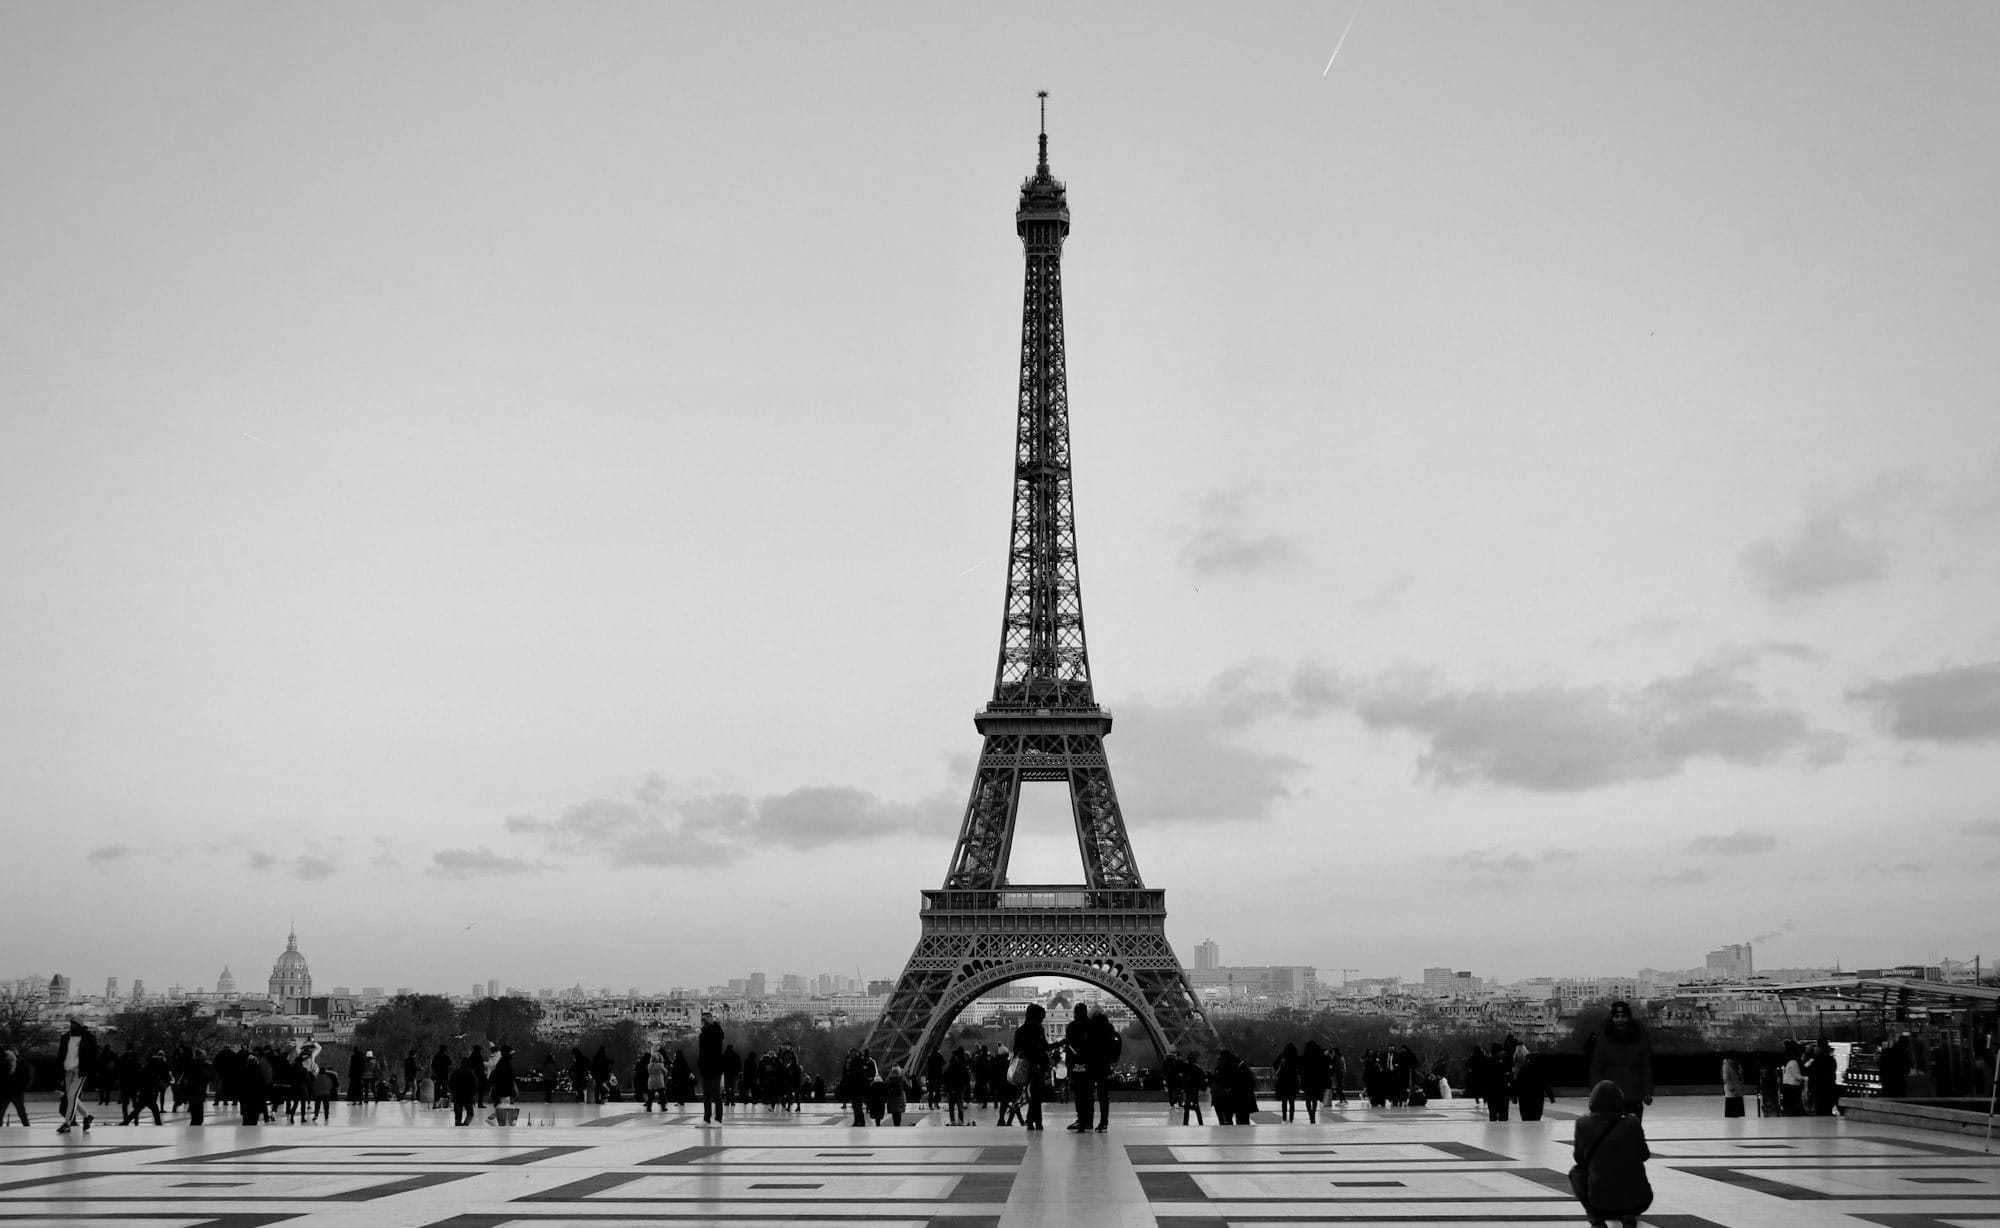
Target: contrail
247	435
975	567
1342	39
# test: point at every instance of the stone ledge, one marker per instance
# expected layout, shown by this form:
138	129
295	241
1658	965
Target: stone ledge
1917	1116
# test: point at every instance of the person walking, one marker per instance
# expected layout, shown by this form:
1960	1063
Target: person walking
934	1076
1732	1086
653	1078
1497	1070
464	1090
896	1095
1822	1078
76	1057
147	1079
198	1073
501	1088
1314	1074
13	1084
1623	1053
1031	1045
1531	1086
1610	1149
855	1072
441	1068
708	1060
579	1074
1285	1072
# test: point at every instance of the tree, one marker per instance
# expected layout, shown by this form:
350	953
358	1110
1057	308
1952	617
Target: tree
501	1021
164	1029
419	1021
21	1023
623	1041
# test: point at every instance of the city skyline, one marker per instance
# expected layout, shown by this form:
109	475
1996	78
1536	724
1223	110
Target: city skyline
539	511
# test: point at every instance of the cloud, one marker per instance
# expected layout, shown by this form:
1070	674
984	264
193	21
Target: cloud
481	862
654	827
305	867
1953	704
109	855
1735	844
1682	878
1823	555
1554	738
1983	827
1771	935
1840	544
1910	867
1217	542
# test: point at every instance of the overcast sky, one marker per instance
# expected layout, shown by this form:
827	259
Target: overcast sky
519	489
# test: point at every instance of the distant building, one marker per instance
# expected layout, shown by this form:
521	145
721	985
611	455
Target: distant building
1446	980
756	987
225	985
58	990
1289	982
110	989
291	980
138	989
1207	956
492	987
1731	963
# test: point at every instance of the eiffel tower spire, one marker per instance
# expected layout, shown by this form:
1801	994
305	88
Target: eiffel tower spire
1043	724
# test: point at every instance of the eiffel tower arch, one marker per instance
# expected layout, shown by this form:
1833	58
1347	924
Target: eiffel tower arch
1043	724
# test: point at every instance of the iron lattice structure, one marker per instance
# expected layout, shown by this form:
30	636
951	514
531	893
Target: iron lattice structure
1043	724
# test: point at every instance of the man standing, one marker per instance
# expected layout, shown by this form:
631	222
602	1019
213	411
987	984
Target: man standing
1079	1046
1106	1046
708	1063
77	1055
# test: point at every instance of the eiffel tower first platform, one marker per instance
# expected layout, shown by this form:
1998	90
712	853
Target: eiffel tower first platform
1043	724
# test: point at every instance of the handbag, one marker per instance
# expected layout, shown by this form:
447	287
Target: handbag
1579	1174
1017	1072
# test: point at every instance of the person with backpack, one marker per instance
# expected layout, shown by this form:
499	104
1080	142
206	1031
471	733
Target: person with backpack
1610	1148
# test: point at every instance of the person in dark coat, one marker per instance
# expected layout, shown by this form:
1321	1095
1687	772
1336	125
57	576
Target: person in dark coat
1531	1088
500	1085
934	1077
579	1075
600	1074
1822	1078
1106	1046
708	1061
732	1071
1193	1080
464	1090
1315	1074
1497	1076
1076	1045
1623	1053
355	1065
957	1083
255	1083
1611	1155
1032	1044
1285	1070
855	1072
441	1065
197	1073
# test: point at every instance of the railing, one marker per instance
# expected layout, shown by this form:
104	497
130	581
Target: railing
1047	898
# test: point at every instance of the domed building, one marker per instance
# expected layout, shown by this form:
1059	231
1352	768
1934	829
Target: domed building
291	981
225	985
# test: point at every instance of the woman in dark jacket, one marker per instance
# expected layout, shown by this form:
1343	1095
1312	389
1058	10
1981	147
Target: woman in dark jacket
500	1087
1531	1088
1315	1073
1030	1043
1623	1053
1611	1154
1285	1069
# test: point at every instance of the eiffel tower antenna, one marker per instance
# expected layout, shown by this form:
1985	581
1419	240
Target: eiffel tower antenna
1043	723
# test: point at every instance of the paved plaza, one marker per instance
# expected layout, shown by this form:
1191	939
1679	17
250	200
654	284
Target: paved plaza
615	1166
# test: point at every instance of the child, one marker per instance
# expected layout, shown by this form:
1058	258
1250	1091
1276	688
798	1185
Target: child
326	1086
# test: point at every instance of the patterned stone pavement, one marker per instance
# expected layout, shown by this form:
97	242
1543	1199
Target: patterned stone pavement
398	1165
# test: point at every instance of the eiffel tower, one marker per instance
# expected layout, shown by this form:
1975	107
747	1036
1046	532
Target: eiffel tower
1043	724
